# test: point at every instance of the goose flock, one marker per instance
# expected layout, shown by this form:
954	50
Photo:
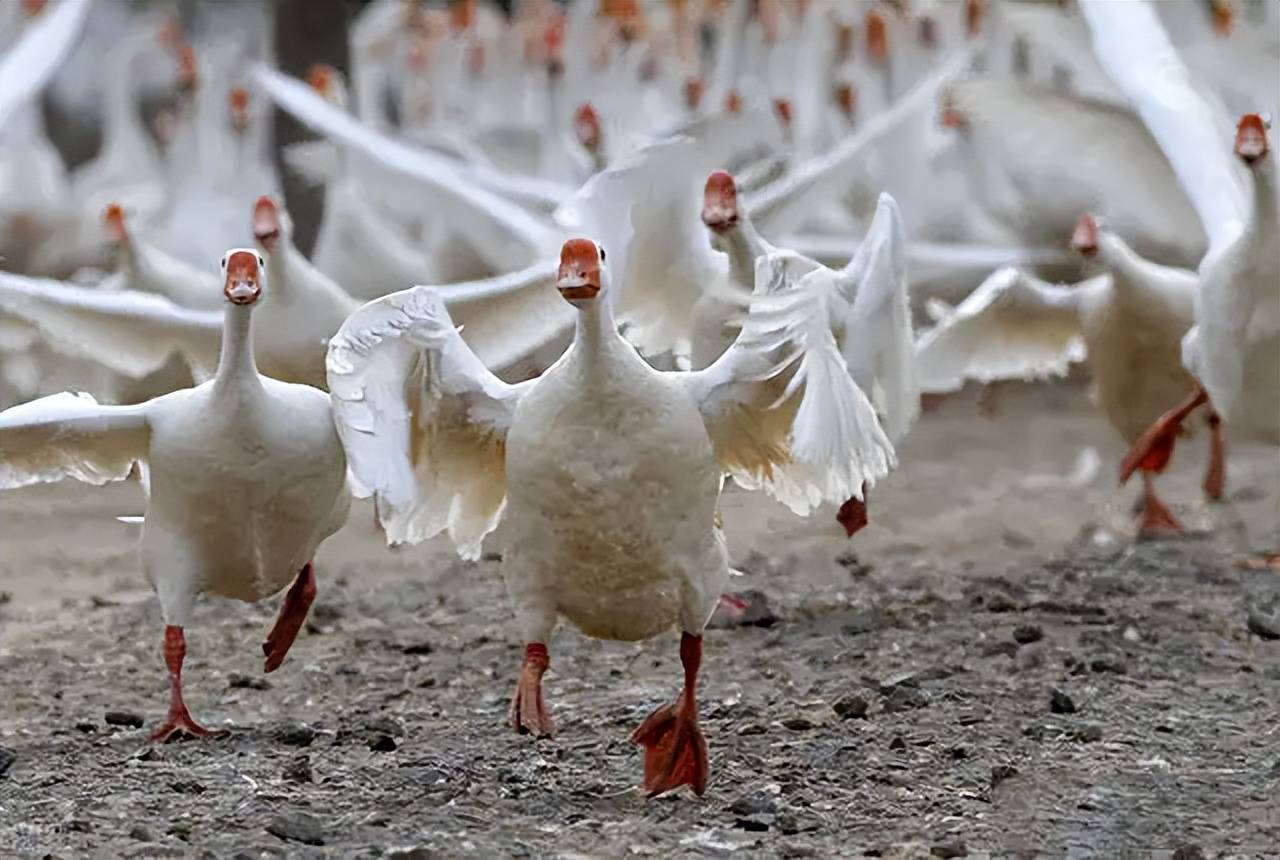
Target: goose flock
665	246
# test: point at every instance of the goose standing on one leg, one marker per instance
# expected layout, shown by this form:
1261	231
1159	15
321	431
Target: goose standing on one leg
247	478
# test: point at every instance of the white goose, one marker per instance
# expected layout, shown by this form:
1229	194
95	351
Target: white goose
247	478
1234	348
608	470
1128	323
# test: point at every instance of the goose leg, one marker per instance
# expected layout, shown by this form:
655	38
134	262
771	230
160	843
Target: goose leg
853	514
1153	449
989	400
179	721
675	750
1157	519
528	713
293	612
1215	478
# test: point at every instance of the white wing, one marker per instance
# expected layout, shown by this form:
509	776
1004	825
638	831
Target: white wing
1134	48
874	316
424	423
128	332
70	436
804	432
1012	326
488	219
31	63
663	257
506	319
782	205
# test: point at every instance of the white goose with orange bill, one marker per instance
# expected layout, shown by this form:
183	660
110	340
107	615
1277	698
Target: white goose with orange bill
246	478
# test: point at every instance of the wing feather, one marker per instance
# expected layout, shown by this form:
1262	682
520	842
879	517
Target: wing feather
70	436
1011	327
29	65
424	423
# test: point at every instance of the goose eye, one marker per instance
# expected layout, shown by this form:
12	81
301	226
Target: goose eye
603	255
260	263
224	262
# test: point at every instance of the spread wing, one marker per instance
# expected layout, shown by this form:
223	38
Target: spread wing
1134	49
424	423
70	436
783	205
660	249
1012	326
872	310
792	422
128	332
31	63
489	218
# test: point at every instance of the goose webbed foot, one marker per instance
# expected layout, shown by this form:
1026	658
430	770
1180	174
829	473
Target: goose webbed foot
853	514
293	612
528	713
675	750
179	721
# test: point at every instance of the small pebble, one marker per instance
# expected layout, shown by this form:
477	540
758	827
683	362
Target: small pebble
298	735
142	833
7	758
298	827
1087	734
1061	703
1001	772
905	698
1188	852
1107	664
754	803
123	718
1263	626
298	769
949	850
382	743
850	707
236	681
1025	634
897	743
418	649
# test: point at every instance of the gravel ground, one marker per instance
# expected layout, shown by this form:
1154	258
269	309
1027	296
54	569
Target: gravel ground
993	666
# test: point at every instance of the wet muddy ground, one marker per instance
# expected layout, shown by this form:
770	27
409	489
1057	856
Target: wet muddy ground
993	666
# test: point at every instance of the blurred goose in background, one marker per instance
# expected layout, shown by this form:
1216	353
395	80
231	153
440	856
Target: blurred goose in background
245	478
1233	350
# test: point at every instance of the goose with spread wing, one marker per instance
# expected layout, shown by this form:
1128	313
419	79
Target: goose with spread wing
246	478
606	471
1233	350
1127	322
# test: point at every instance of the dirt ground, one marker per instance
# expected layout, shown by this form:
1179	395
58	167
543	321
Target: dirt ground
993	667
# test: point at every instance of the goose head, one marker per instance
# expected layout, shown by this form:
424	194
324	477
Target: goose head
32	8
238	102
328	83
732	102
846	96
1223	16
782	109
243	272
693	93
877	37
268	223
580	277
1085	238
949	116
586	125
1251	138
113	223
720	203
974	13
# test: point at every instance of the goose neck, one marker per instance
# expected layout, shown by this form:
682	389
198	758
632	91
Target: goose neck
743	245
595	327
237	366
1264	197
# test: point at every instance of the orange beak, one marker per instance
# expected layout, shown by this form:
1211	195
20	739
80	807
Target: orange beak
186	67
877	37
1223	17
847	99
974	12
1085	238
113	219
242	284
732	102
720	202
579	276
586	124
266	223
693	93
320	78
1251	139
782	107
239	109
32	8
